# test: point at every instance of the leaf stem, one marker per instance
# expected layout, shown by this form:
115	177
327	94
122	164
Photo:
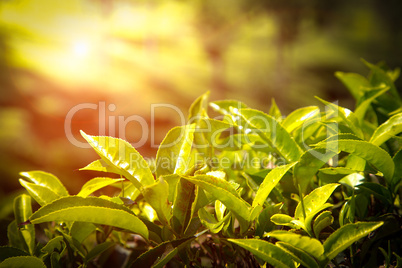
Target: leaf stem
302	202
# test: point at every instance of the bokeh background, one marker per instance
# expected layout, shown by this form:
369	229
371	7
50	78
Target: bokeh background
127	55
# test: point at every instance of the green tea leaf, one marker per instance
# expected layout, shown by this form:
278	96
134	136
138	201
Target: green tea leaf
269	183
310	245
81	230
157	196
95	184
159	253
102	166
212	129
182	205
274	111
348	117
323	220
90	209
53	244
46	180
271	132
309	164
390	101
123	157
172	181
368	151
224	106
55	260
22	262
364	105
173	156
356	83
352	180
298	117
73	244
41	194
15	239
387	130
22	212
199	107
378	76
224	192
298	255
264	223
98	249
315	200
346	236
202	198
379	191
333	174
209	221
268	252
284	219
8	252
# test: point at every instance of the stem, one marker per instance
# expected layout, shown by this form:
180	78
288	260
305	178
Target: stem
302	202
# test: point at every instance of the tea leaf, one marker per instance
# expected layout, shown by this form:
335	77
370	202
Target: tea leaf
264	223
160	252
209	221
47	180
368	151
387	130
269	183
8	252
224	106
348	117
41	194
268	252
283	219
298	117
314	201
310	245
182	205
123	157
157	196
95	184
298	255
364	103
347	235
199	107
22	262
309	164
98	249
90	209
274	111
224	192
101	165
22	212
173	156
271	132
54	243
323	220
356	83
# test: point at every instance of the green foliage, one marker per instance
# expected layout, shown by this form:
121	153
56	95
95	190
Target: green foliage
250	189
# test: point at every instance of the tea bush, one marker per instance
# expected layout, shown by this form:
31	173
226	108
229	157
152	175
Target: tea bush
315	188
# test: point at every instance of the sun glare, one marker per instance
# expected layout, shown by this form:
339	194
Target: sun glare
81	48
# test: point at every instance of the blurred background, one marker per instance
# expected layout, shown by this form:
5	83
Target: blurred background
118	57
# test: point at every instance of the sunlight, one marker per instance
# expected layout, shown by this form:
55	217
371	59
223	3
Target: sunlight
81	48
